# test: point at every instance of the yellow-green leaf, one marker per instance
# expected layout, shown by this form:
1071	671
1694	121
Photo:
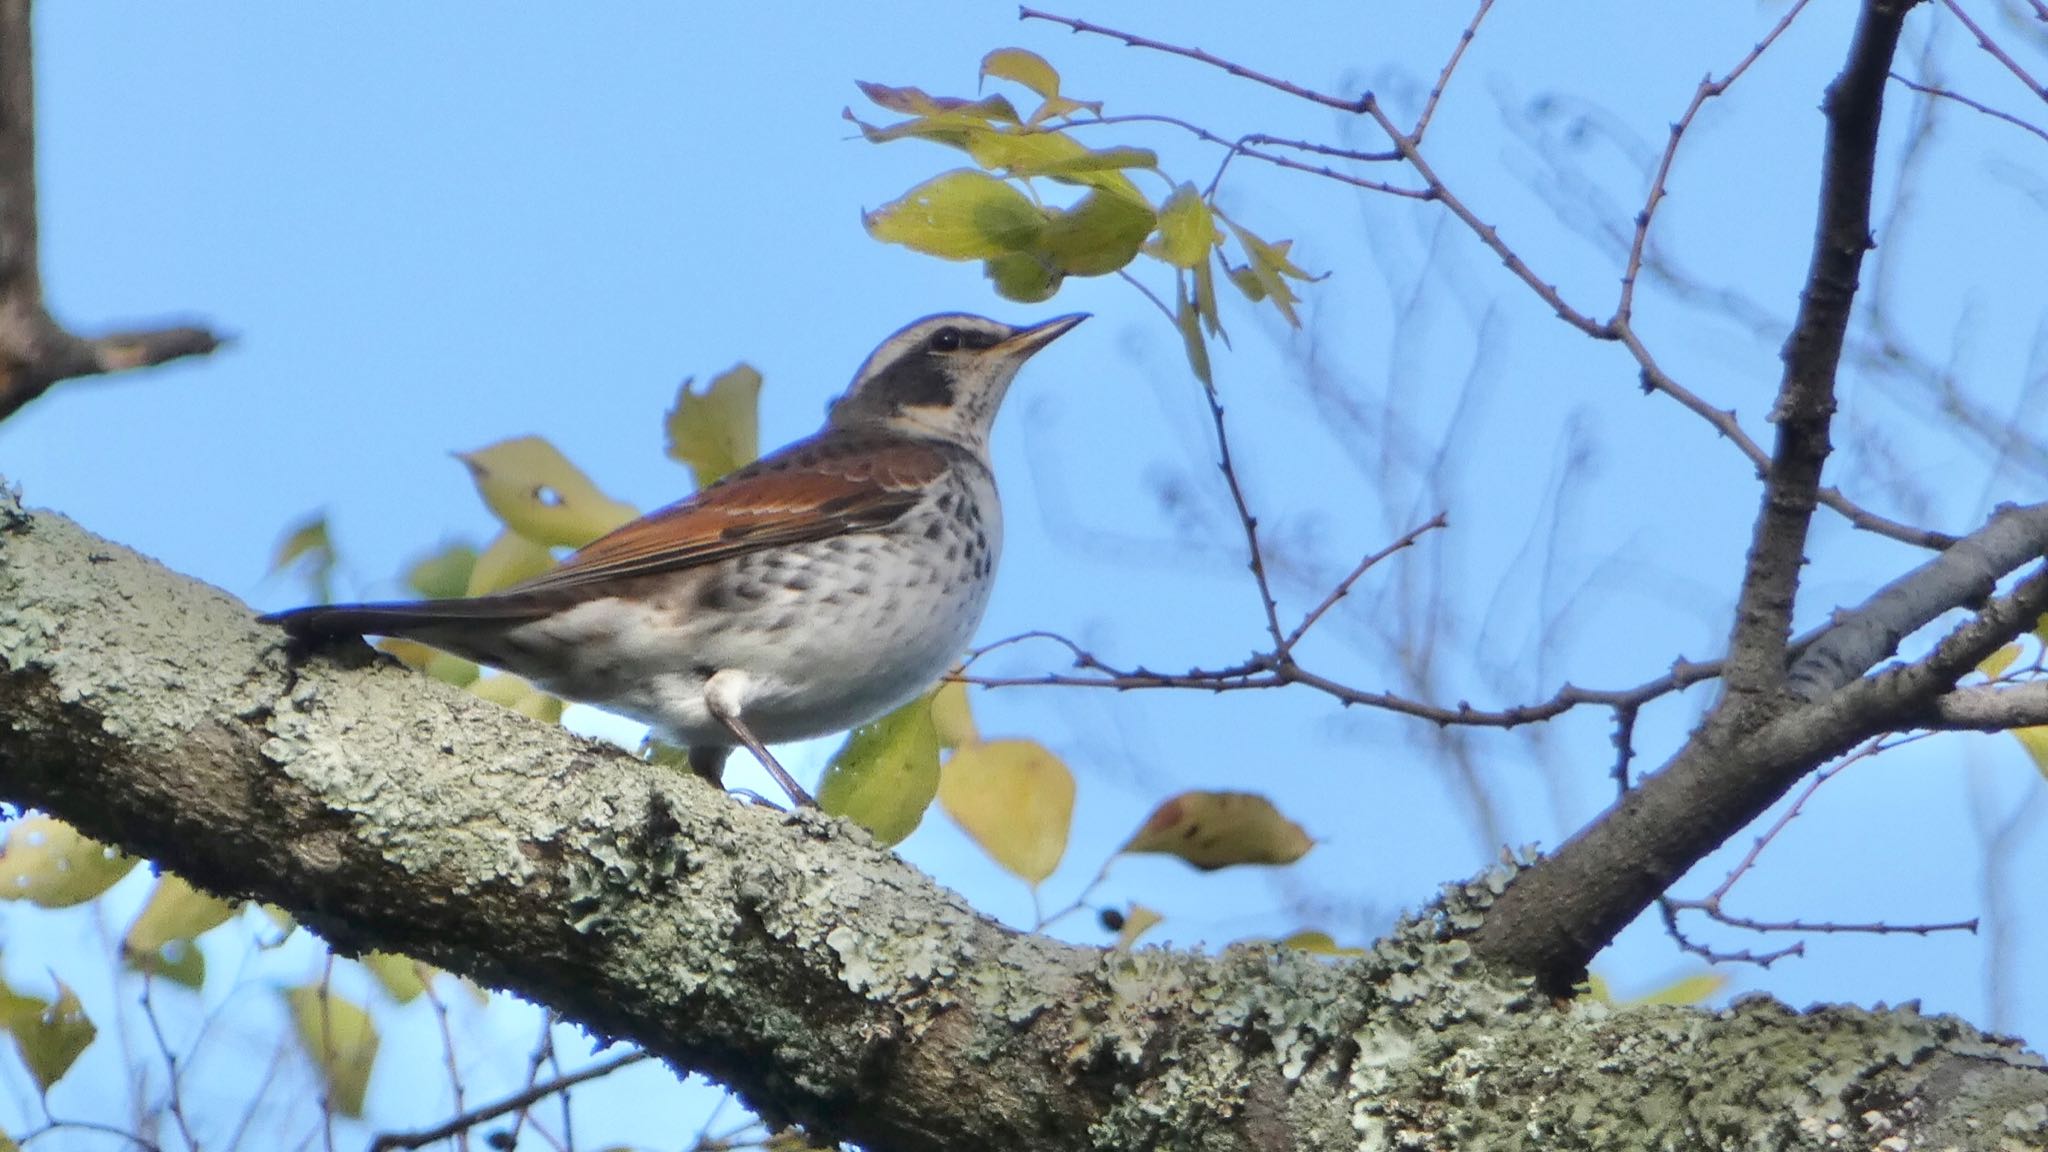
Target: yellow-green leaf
510	559
1099	235
718	429
959	215
1695	989
1031	70
519	694
1205	298
952	715
536	492
341	1041
442	666
1189	321
1995	664
885	775
1187	229
164	937
917	102
2035	741
1015	799
1322	943
443	574
49	1034
308	547
403	978
1213	830
47	863
1138	920
1025	277
1271	267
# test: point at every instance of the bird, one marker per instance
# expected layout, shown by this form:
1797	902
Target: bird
807	593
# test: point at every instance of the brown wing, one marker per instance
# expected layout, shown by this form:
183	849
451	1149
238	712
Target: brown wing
811	490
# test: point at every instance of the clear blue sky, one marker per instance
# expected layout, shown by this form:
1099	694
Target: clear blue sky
432	227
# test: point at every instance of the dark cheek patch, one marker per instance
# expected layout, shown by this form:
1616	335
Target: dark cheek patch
916	379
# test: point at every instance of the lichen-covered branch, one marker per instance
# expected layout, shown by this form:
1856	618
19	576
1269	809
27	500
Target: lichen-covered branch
35	351
823	979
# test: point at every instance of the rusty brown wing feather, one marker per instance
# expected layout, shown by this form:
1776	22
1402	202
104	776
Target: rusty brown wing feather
809	491
812	490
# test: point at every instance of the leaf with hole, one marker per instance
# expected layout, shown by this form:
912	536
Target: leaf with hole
534	490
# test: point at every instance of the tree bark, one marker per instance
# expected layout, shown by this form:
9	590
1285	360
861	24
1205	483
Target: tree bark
832	985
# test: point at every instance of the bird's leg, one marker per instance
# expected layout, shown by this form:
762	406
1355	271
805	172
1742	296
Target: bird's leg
722	694
708	761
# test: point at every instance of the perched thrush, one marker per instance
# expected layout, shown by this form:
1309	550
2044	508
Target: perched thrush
811	591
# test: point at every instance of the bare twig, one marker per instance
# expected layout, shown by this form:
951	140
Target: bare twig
1993	48
1940	93
525	1098
1709	88
35	351
1443	78
1343	587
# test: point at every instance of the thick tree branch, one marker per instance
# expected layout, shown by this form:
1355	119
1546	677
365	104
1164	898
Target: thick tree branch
35	351
1805	406
825	980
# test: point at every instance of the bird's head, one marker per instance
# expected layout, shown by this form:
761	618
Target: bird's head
943	376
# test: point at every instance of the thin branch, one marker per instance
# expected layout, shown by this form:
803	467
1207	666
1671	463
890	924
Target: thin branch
35	351
1709	89
463	1122
1343	587
1234	69
1940	93
1996	52
1443	78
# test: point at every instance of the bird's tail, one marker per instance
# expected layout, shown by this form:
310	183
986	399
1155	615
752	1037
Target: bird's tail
417	619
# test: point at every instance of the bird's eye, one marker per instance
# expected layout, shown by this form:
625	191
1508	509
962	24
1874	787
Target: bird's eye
946	340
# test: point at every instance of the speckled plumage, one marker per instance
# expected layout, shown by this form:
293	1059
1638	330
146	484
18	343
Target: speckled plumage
809	592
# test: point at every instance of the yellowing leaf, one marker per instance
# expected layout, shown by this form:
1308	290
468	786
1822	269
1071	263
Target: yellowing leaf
1270	267
1138	920
959	215
1193	343
403	978
718	429
341	1040
1031	70
510	559
442	666
1217	829
1099	235
307	546
952	715
1694	989
1016	799
47	863
1999	661
2034	740
916	102
519	694
443	574
49	1034
1312	940
177	914
536	492
1187	229
884	776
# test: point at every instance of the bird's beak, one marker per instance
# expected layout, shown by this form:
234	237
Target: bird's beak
1026	341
